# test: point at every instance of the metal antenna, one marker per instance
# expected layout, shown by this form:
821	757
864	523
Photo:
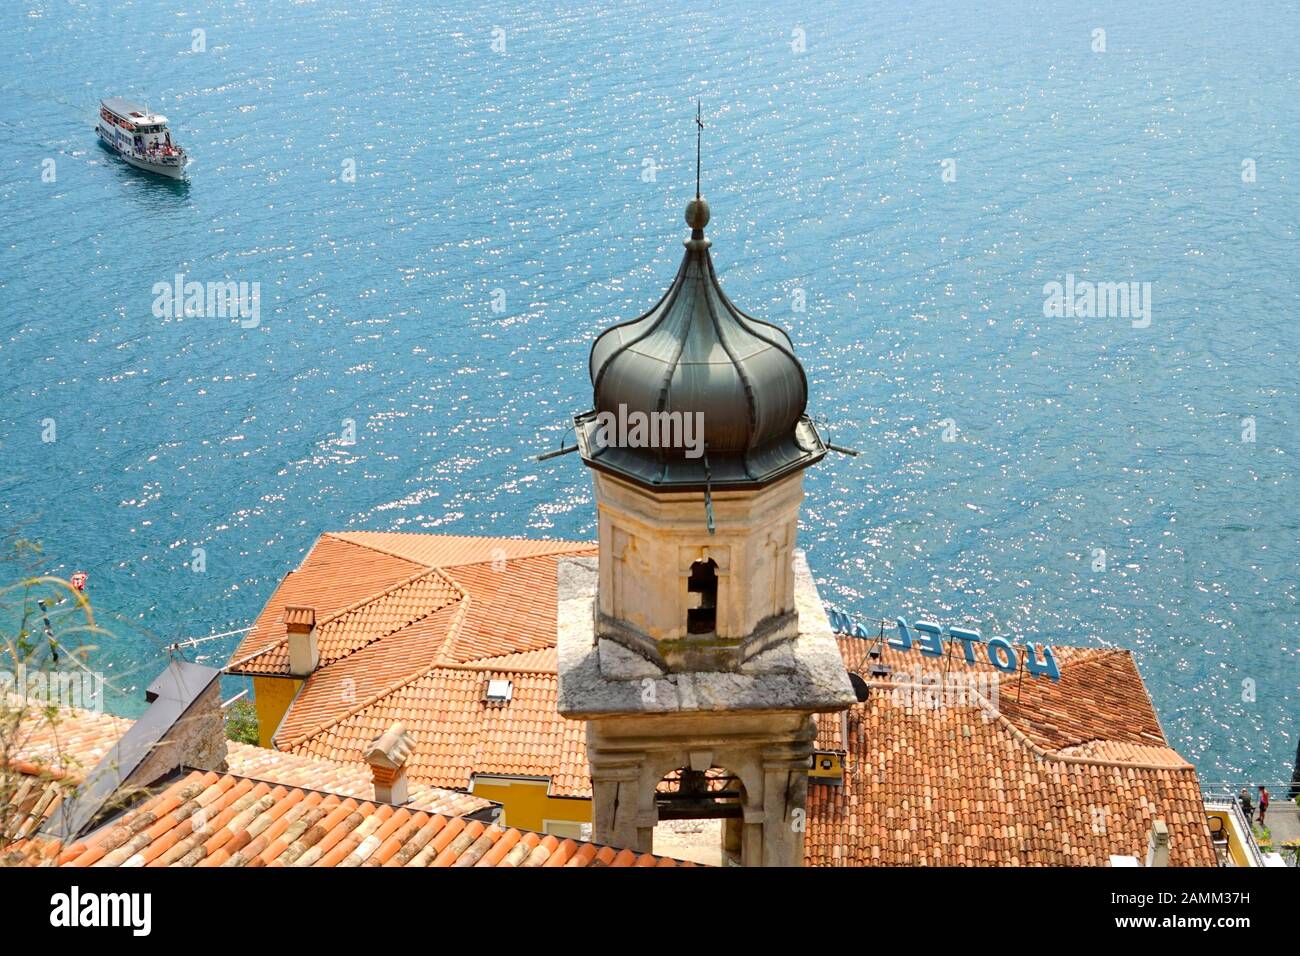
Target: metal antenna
699	129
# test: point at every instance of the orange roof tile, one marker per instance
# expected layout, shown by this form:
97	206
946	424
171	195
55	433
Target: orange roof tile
334	691
52	753
415	644
1026	773
301	616
449	551
1100	694
340	575
67	740
345	779
459	734
545	659
364	622
210	819
511	608
49	755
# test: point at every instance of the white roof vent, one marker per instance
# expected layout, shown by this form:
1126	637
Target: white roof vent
499	691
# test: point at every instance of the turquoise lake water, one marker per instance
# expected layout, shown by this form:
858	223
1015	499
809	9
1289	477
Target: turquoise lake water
525	171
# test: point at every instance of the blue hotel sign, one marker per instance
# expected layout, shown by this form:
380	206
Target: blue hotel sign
928	637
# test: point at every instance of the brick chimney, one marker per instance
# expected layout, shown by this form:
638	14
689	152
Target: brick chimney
1158	844
387	755
304	654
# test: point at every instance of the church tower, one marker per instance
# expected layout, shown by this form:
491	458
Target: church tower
696	646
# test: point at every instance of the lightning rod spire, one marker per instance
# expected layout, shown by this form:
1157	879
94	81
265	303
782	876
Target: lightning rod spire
699	129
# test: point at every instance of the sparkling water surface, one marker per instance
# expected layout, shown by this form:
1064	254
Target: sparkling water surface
526	171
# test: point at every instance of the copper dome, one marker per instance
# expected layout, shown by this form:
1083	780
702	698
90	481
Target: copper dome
695	353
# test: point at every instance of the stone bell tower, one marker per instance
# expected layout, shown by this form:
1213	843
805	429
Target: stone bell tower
696	646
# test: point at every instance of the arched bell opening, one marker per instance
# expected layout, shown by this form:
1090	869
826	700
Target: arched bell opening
702	588
700	812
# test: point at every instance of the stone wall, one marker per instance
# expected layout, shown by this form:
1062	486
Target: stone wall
197	739
648	543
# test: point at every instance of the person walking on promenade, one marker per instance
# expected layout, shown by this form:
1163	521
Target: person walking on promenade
1263	803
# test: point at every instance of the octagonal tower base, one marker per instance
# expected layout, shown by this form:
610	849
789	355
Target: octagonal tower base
647	719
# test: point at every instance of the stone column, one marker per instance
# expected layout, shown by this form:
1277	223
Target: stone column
752	835
731	839
785	793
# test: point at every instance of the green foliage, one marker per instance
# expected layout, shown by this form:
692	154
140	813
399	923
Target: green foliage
241	723
43	620
1262	836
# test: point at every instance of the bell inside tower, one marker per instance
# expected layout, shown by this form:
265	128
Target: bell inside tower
712	794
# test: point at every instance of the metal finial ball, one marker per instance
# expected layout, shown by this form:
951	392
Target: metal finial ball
697	214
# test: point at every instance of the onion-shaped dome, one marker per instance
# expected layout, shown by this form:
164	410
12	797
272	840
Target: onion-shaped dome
718	396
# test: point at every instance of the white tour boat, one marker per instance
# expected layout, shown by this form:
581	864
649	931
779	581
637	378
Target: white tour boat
140	137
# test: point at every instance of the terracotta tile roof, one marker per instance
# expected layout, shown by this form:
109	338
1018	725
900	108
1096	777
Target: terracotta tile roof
1115	751
511	608
48	757
50	753
449	551
341	576
210	819
30	799
1059	754
348	780
368	620
507	585
30	851
334	691
458	733
1100	695
1068	773
430	651
68	740
545	659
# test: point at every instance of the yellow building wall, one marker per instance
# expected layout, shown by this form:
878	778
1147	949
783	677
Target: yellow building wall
271	699
1235	849
526	803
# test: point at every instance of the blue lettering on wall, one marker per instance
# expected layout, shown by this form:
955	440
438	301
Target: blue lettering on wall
1002	655
1039	660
